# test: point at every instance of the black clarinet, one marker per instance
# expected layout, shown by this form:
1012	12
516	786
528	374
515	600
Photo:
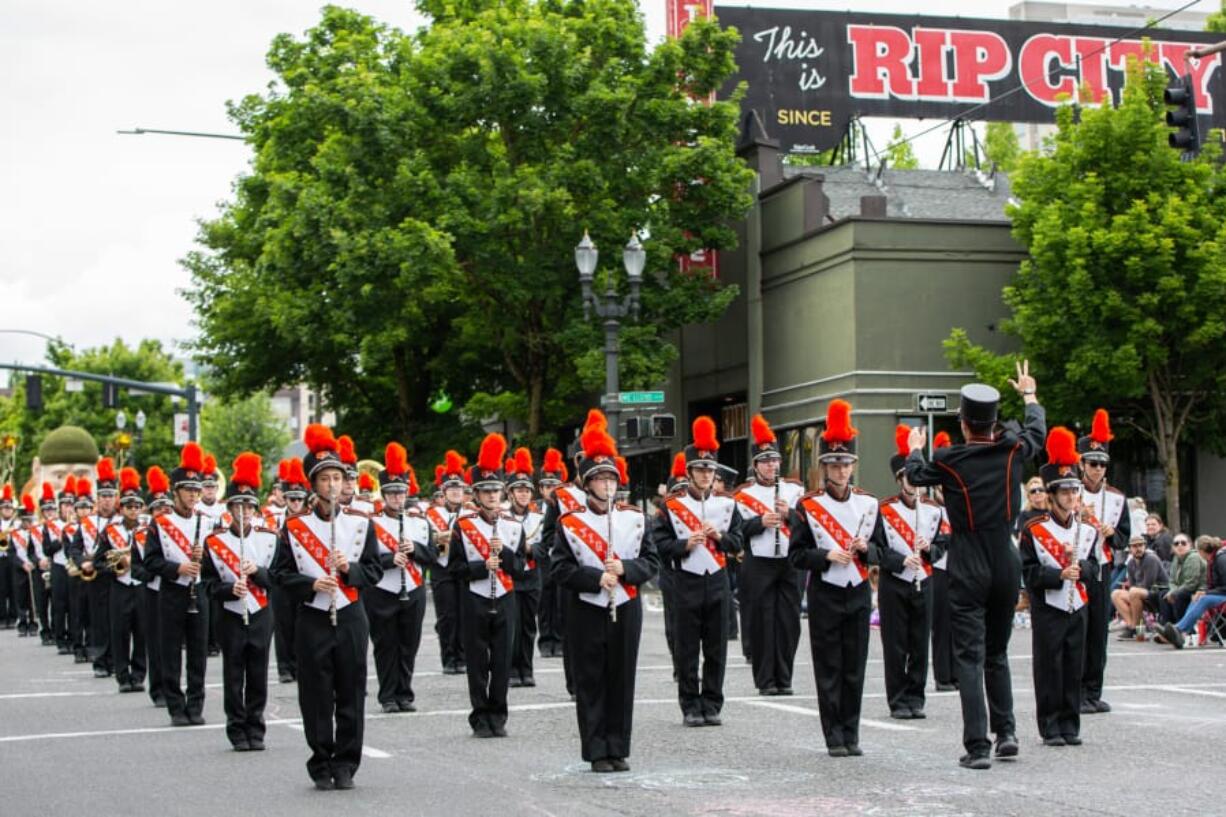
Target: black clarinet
193	606
404	571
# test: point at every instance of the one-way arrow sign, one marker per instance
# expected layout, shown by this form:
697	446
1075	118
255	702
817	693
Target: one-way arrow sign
930	403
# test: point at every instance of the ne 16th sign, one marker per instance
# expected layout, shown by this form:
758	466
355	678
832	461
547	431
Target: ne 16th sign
808	72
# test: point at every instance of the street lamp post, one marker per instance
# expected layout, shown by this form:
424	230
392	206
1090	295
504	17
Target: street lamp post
611	309
140	433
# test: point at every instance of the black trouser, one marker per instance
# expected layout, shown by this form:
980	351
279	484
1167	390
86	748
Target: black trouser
549	639
942	640
395	629
215	611
21	594
78	616
284	614
732	570
153	644
1058	642
448	616
489	630
8	602
565	599
42	604
59	607
984	580
527	603
1098	617
1173	610
332	687
606	656
770	602
127	637
180	628
98	596
701	623
668	599
906	618
838	641
244	669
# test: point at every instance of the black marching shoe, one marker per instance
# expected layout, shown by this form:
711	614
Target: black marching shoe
324	783
390	706
918	714
1072	740
694	719
100	673
602	766
515	682
1054	740
180	720
837	751
342	779
241	745
946	687
1102	706
529	681
137	686
901	714
854	750
482	730
975	761
406	706
785	691
1088	708
256	744
500	731
712	720
619	764
197	720
768	691
285	677
1006	745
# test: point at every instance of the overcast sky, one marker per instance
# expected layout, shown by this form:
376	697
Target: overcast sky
92	224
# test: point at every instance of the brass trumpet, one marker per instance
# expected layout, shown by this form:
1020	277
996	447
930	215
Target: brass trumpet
119	560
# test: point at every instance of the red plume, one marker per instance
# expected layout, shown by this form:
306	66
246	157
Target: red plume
596	442
48	492
247	468
70	485
1100	431
595	419
414	488
901	433
565	472
493	447
679	465
523	461
191	457
8	492
84	487
395	460
106	470
553	461
157	480
366	482
283	471
27	502
942	440
318	437
761	429
508	467
129	479
704	434
345	450
296	473
1061	447
210	464
838	423
438	475
468	475
453	463
623	471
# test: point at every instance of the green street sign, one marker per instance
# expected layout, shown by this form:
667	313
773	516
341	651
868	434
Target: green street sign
640	398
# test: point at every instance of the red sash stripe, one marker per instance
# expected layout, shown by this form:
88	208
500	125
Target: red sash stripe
437	519
566	501
904	530
1056	550
309	542
231	560
695	526
836	531
584	533
388	541
482	546
167	527
759	507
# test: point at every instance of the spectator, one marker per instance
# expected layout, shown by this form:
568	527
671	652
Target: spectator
1137	514
1140	592
1158	539
1203	601
1188	570
1033	504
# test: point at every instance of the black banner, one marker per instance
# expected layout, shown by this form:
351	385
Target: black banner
808	72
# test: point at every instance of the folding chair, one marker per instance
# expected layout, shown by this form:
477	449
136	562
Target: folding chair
1212	626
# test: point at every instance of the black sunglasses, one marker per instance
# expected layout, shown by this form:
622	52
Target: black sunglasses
1037	490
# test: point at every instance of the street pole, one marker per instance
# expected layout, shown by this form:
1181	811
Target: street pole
611	349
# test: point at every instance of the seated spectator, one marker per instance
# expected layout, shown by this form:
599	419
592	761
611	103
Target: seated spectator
1188	570
1158	539
1146	577
1202	602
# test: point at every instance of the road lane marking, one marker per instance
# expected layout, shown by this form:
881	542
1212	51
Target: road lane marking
801	710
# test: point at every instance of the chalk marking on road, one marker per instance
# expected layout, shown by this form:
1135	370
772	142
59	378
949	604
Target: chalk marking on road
16	695
367	751
1188	690
801	710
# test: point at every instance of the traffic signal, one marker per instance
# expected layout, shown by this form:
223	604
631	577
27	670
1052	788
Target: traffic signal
34	392
1181	96
110	395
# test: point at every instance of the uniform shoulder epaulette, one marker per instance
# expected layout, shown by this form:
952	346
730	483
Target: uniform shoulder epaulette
509	517
465	513
927	500
814	492
861	492
1037	520
792	481
1111	489
627	506
743	486
887	500
355	512
724	494
291	515
564	514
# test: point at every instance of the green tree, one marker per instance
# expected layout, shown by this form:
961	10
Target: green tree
1001	147
898	153
230	427
1122	299
1217	20
409	220
148	361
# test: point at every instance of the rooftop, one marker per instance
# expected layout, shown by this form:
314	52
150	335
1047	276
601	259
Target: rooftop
921	194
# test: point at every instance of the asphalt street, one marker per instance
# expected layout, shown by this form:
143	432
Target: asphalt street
71	745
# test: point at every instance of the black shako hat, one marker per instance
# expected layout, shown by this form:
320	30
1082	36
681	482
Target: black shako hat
980	404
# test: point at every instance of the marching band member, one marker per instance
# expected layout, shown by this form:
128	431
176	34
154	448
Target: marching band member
942	639
78	594
697	532
42	563
237	573
274	510
295	488
84	547
907	544
520	487
1058	551
487	560
56	542
549	636
324	558
160	504
215	516
125	594
446	588
830	534
23	585
173	552
397	604
770	595
8	558
601	555
1105	509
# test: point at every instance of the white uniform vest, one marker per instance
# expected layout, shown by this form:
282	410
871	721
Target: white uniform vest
718	511
628	527
928	528
1084	538
417	531
856	516
763	544
350	540
258	547
504	528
